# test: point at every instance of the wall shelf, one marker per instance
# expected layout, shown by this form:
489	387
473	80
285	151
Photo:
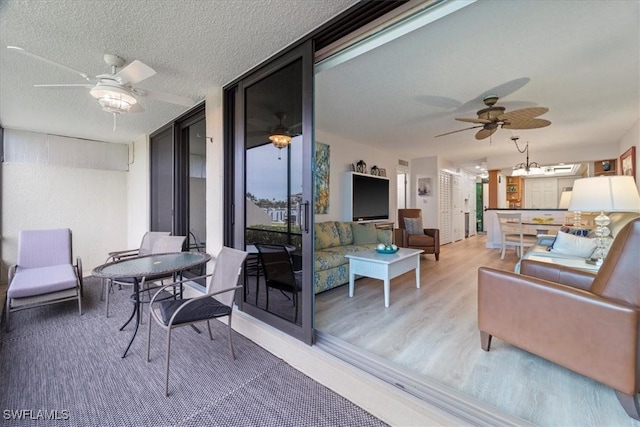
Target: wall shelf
605	167
514	191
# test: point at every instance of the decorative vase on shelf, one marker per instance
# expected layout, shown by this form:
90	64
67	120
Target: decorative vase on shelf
374	170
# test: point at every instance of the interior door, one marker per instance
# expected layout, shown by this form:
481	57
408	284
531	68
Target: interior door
272	187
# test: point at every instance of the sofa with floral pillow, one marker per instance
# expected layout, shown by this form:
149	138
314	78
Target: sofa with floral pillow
335	239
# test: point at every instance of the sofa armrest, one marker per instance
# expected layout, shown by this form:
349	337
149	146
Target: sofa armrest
557	273
574	328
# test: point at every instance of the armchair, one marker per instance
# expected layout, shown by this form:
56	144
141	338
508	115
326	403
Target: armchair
587	323
429	240
44	273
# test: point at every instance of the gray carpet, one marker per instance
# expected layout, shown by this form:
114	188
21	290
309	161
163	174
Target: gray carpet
56	363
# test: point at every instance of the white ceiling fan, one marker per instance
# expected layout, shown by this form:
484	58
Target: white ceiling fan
115	92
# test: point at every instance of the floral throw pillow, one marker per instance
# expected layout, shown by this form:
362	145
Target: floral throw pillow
413	225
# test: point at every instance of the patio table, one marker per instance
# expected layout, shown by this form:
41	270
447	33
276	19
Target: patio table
148	266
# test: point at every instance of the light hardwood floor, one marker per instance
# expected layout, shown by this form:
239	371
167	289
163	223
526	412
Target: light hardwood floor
433	331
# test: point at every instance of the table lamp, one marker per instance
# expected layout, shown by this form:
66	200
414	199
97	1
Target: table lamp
565	199
614	193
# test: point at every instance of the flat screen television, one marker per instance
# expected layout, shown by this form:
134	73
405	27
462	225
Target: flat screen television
369	197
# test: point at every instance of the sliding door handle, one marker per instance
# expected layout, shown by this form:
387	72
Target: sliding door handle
305	215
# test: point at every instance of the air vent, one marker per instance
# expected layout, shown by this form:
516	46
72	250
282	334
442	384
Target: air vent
403	162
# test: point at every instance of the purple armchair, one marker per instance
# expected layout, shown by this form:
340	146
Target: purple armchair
44	273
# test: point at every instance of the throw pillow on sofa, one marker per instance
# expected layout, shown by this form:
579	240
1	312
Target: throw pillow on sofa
364	234
413	225
568	244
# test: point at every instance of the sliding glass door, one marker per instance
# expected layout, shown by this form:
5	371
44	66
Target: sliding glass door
272	146
178	179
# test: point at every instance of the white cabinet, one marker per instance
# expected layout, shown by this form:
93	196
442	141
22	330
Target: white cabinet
457	208
457	198
444	204
541	193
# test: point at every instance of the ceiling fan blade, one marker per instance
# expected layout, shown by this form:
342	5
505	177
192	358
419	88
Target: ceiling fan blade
48	61
523	114
500	91
531	123
459	130
135	72
65	86
257	133
136	108
485	133
166	97
483	121
438	101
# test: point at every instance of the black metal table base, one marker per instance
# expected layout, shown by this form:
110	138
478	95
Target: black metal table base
135	312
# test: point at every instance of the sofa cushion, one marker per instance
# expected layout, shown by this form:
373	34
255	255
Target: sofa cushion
345	232
384	236
326	235
577	246
325	260
364	234
413	225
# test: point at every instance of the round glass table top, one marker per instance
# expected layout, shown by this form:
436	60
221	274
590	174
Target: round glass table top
151	265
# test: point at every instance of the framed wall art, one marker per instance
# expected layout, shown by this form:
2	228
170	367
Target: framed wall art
628	162
424	187
323	164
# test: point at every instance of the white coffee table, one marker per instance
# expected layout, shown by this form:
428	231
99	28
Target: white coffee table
384	267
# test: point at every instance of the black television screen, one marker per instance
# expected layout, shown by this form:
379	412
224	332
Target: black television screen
370	198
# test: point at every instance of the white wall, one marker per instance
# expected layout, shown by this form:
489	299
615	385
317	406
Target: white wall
92	203
138	193
215	171
342	154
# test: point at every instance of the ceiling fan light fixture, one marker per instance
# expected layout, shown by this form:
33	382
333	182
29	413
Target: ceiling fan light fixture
113	99
280	140
280	136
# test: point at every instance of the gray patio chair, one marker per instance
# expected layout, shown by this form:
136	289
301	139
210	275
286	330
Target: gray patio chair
157	243
147	243
44	273
217	302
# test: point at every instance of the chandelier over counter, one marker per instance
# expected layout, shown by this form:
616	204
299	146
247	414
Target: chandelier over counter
523	169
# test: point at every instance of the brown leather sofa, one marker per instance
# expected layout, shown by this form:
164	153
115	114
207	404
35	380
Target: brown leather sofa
587	323
429	241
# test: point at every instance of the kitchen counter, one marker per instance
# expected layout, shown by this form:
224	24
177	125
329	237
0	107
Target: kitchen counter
524	209
492	226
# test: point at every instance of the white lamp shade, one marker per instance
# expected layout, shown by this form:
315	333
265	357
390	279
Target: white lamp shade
565	199
605	193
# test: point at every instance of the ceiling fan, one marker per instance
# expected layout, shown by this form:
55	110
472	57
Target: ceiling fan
494	116
115	92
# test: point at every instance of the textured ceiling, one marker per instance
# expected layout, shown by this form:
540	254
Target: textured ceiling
193	45
579	59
